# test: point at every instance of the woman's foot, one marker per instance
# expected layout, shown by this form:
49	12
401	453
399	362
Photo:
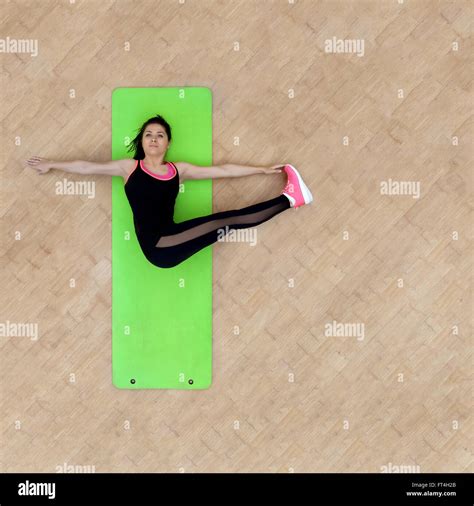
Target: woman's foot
297	192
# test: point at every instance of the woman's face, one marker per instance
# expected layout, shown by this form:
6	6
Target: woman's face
155	140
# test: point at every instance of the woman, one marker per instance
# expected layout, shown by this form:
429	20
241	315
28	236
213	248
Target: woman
151	187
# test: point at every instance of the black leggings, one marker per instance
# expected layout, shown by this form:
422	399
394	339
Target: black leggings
182	240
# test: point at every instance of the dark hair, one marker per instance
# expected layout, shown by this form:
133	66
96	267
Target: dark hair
136	144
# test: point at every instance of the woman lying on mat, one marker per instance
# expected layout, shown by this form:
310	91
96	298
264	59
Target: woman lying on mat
152	185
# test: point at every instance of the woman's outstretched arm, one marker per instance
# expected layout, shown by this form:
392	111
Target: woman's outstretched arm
112	168
190	171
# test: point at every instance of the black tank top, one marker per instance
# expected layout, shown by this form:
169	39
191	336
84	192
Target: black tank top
152	199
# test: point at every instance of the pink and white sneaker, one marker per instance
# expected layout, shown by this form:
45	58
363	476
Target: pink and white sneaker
297	192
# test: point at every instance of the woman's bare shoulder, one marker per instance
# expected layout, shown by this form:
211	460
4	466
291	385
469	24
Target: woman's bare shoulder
127	165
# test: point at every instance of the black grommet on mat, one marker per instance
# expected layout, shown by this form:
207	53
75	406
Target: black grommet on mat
190	382
132	381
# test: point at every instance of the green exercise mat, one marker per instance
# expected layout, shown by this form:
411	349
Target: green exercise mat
162	318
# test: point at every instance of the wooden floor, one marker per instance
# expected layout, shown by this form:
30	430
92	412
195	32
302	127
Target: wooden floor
290	392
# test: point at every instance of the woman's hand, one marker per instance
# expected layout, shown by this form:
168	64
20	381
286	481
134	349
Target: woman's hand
42	165
274	169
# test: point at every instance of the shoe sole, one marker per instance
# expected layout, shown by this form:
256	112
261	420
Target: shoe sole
307	195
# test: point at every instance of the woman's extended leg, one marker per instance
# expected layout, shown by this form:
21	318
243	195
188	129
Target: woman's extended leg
184	239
